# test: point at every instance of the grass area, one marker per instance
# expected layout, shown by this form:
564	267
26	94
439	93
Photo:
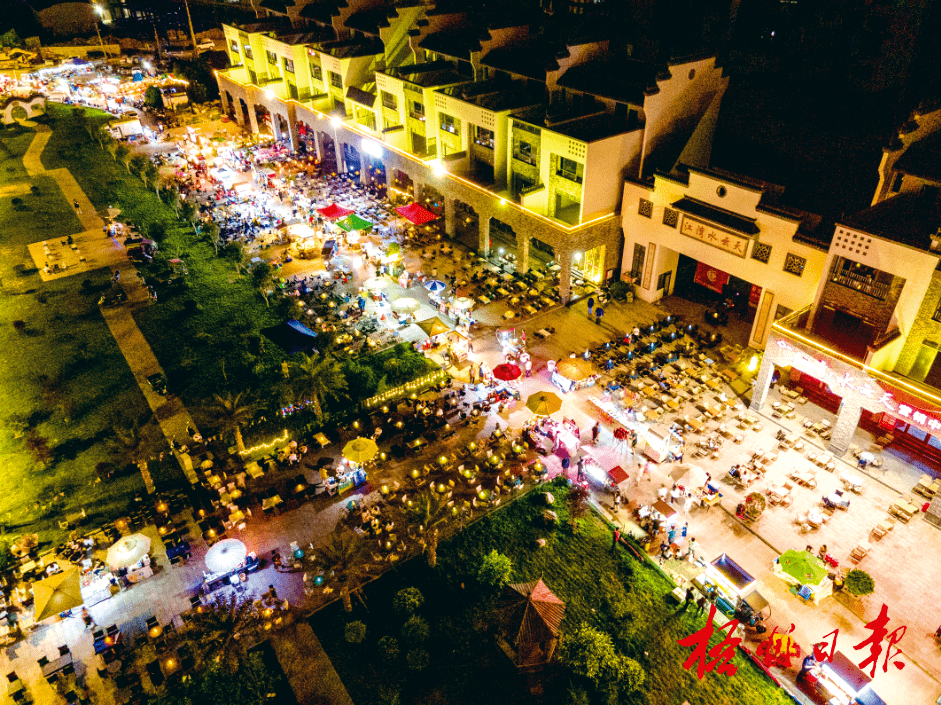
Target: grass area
607	589
61	374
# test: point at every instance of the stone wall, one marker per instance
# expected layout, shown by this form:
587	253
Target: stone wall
924	329
875	312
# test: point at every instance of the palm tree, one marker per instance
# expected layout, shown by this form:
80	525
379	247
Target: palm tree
231	412
320	378
426	513
221	630
135	443
345	559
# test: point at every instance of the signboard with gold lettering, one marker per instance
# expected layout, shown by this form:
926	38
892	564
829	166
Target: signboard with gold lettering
711	235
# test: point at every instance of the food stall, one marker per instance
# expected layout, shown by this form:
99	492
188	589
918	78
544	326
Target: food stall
347	478
659	443
573	373
726	584
806	572
130	558
229	562
611	412
458	347
837	682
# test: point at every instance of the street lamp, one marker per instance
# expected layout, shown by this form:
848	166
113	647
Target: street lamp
100	11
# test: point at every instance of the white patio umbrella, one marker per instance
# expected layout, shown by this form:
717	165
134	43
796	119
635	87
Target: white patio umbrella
376	283
128	551
226	555
463	303
406	305
688	475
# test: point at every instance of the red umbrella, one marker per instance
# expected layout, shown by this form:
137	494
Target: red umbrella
620	434
507	372
416	214
334	212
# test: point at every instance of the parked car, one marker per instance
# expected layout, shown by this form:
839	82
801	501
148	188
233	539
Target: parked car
158	383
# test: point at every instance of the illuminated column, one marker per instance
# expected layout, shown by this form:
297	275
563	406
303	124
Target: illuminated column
483	226
846	422
276	126
449	216
239	113
759	390
565	276
224	101
253	117
522	253
293	134
318	144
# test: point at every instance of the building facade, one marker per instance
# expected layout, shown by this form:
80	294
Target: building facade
867	346
523	143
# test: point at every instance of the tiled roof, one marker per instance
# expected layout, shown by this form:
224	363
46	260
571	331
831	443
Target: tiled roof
720	216
624	80
909	219
532	60
923	158
458	43
530	612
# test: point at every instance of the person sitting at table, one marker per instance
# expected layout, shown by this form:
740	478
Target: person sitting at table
822	552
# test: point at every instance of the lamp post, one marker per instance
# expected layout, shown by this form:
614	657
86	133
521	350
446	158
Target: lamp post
100	11
192	33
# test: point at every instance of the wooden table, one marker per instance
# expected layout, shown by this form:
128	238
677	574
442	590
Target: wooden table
903	510
57	665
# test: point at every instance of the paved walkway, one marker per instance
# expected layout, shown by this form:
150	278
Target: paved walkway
312	676
106	252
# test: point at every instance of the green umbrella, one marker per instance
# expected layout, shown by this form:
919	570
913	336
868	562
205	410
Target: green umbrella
802	566
354	222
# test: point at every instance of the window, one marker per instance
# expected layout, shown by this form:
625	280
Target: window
637	263
389	101
448	124
645	208
524	152
526	128
670	217
248	51
417	110
316	72
289	65
272	57
761	252
484	137
568	169
794	264
336	80
235	46
663	281
897	183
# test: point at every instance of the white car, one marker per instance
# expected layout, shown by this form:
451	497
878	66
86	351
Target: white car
206	45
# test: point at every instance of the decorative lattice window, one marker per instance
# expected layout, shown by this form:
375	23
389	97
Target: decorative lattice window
794	264
646	208
761	252
670	217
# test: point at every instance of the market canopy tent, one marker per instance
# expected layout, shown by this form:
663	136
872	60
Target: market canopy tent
57	593
434	326
688	476
416	214
617	475
353	222
530	617
575	368
334	212
291	336
543	403
806	573
406	305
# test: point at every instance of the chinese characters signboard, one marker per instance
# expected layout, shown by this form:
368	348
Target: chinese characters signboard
875	398
711	235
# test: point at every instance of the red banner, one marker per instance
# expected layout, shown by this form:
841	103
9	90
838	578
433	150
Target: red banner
710	277
754	296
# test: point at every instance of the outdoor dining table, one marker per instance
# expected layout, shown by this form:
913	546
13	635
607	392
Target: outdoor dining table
254	470
271	502
57	665
836	500
903	509
802	477
484	300
531	310
815	519
503	292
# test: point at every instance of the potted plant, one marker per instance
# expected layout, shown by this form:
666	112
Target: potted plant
859	583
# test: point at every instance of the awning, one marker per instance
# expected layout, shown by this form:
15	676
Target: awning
617	475
334	212
416	214
353	222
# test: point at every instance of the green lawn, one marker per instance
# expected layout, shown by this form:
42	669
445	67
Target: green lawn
599	586
61	375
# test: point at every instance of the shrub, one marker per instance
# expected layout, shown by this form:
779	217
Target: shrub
389	648
415	630
408	600
355	632
495	569
859	582
157	230
19	326
417	659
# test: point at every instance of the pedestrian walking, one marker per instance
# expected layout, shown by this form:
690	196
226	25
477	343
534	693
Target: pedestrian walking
87	618
671	535
591	301
617	537
617	499
689	598
528	366
691	551
684	530
700	605
595	432
78	209
599	312
687	505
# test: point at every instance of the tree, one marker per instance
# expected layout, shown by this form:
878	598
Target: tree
134	444
577	503
189	212
221	629
495	569
415	630
389	648
151	175
426	513
263	278
319	379
121	153
590	654
213	234
417	659
230	413
355	632
859	583
38	446
153	97
137	165
407	600
344	559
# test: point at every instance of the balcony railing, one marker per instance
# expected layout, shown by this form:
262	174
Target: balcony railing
526	158
568	175
864	285
416	115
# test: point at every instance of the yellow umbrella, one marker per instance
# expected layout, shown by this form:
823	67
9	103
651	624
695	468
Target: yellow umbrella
434	326
543	403
360	450
575	368
57	593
